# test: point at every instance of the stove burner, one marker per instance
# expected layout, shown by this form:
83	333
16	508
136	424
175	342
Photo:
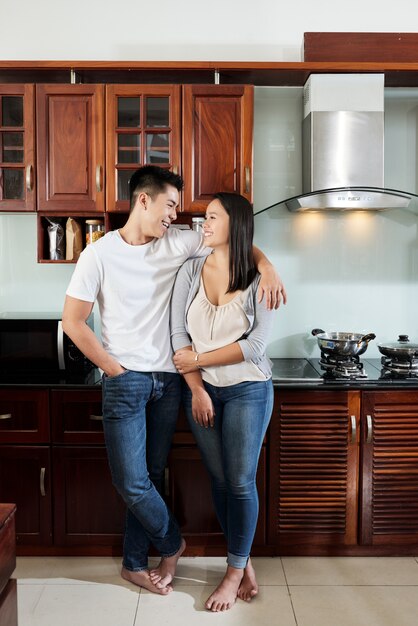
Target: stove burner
401	369
342	366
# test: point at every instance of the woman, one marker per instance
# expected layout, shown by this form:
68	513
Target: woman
219	332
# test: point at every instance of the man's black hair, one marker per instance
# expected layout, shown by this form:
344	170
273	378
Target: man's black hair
152	180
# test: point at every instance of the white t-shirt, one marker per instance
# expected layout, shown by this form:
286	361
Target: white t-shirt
133	286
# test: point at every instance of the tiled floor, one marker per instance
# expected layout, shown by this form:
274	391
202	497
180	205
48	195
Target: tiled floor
304	591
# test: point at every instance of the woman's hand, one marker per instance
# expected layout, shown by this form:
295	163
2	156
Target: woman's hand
202	408
272	287
185	361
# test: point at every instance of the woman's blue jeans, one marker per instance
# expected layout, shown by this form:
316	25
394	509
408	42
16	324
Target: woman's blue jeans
230	452
140	411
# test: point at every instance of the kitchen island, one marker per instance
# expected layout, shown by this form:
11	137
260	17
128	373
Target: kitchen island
337	474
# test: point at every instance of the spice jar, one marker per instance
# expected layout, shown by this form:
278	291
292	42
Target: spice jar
94	230
197	224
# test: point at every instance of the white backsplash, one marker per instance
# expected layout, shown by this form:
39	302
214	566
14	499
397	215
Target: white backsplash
350	272
353	271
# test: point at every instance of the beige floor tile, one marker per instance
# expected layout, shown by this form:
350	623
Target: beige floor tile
67	605
70	570
185	605
350	570
355	606
210	570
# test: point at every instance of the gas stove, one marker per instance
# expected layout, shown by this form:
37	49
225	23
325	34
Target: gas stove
342	367
399	369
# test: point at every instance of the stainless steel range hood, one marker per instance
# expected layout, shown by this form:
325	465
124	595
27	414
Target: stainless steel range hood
343	146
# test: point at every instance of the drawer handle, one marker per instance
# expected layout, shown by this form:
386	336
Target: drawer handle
42	481
96	418
353	428
6	416
369	435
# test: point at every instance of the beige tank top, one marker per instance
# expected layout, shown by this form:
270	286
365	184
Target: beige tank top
213	327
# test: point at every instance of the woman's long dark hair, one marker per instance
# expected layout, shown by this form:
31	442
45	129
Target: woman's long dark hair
242	269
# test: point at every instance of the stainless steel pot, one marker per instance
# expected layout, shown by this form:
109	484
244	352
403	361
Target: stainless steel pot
401	350
342	344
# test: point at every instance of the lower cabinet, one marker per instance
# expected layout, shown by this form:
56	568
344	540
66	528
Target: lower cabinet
344	473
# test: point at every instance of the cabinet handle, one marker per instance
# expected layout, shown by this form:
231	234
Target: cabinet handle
42	481
99	178
175	169
369	431
6	416
29	178
96	418
353	428
166	482
247	179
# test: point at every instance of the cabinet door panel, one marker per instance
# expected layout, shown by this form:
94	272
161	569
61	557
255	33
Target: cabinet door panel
25	481
24	416
70	145
389	513
77	416
17	148
191	500
314	470
217	142
87	508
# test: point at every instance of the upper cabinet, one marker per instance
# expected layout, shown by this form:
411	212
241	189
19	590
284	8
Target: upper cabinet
17	153
142	128
217	142
70	148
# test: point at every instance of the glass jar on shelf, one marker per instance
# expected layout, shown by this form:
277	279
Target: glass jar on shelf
94	230
197	224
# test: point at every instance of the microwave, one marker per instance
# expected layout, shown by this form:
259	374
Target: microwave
37	343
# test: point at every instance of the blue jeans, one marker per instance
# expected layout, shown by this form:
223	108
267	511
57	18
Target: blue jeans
139	418
230	452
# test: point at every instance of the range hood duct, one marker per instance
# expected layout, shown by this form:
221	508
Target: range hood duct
343	146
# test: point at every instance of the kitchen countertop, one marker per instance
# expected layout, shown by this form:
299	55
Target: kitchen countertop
293	373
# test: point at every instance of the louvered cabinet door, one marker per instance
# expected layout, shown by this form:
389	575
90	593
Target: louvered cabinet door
314	471
389	482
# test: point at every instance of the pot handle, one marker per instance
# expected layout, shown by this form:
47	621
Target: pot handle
366	338
317	331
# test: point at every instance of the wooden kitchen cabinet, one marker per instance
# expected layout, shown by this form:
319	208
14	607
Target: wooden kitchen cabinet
17	148
217	142
389	479
190	499
314	465
142	128
25	468
70	148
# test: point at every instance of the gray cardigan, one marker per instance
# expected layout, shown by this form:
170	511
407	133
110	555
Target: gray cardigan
253	343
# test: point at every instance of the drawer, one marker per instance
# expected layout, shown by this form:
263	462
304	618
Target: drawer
24	416
76	416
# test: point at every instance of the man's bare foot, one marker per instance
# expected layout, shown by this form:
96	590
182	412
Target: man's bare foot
142	579
248	587
162	575
225	594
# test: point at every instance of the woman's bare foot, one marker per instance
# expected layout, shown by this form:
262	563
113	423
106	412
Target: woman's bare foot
162	575
248	587
142	579
225	594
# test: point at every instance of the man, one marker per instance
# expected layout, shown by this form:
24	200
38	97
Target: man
131	272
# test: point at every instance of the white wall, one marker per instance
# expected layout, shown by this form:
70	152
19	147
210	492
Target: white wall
240	30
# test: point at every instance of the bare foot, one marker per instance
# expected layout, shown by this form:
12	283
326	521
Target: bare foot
162	575
225	594
248	587
142	579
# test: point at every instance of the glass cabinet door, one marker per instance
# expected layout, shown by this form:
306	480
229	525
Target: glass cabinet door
17	148
143	128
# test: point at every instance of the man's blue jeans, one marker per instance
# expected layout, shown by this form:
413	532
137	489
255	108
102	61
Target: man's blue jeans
230	452
139	417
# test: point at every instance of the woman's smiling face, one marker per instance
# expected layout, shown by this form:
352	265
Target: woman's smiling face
216	225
